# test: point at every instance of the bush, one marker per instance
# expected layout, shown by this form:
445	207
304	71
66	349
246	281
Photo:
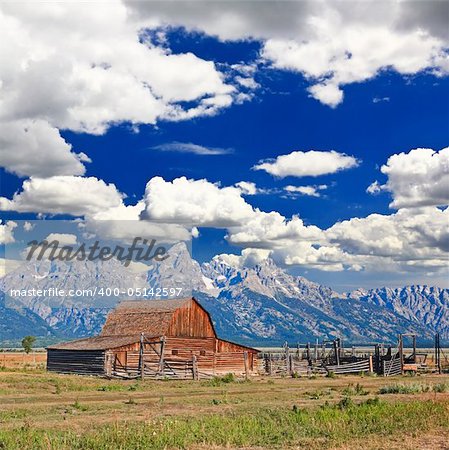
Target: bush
345	403
441	387
373	401
354	390
218	381
401	388
78	406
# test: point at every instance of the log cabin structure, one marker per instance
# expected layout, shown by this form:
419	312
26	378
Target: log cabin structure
154	338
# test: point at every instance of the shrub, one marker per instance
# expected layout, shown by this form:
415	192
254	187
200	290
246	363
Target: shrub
79	407
373	401
218	381
354	390
401	388
345	403
441	387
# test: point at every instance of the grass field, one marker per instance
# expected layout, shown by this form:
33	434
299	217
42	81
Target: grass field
39	410
19	360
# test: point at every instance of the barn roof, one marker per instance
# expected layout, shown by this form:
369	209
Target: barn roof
128	320
97	343
152	317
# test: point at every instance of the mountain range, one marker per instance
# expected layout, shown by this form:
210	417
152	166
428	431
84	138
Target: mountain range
262	305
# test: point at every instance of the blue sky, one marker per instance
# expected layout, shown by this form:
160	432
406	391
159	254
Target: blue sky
390	112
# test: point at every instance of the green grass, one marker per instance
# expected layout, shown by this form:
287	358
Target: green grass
441	387
220	381
118	387
356	389
79	407
273	428
413	388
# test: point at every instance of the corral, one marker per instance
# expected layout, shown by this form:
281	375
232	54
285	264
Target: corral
330	357
158	338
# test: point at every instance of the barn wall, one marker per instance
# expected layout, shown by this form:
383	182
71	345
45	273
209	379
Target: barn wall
225	346
233	362
190	346
178	350
190	320
209	360
83	362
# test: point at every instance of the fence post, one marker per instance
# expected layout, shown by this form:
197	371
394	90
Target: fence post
438	353
161	356
401	352
371	364
414	348
141	363
287	358
245	362
336	352
195	367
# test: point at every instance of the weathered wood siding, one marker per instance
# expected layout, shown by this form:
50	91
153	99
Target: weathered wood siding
226	346
191	320
76	361
180	351
192	346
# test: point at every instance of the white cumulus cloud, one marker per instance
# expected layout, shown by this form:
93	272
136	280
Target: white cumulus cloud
6	231
34	148
63	238
418	178
84	68
63	195
311	191
195	202
310	163
247	187
332	44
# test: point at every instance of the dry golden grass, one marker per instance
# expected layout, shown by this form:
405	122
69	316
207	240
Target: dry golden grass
19	360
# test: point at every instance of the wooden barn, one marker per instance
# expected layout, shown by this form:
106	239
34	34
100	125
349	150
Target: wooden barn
154	338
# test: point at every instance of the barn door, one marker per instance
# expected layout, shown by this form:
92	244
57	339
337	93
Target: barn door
120	360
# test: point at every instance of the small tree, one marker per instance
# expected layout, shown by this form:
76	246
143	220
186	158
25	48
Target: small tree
27	343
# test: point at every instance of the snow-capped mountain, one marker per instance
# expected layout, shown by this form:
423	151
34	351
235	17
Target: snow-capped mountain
259	305
426	305
269	304
66	315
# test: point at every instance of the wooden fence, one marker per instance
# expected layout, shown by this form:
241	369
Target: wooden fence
298	362
391	367
364	365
